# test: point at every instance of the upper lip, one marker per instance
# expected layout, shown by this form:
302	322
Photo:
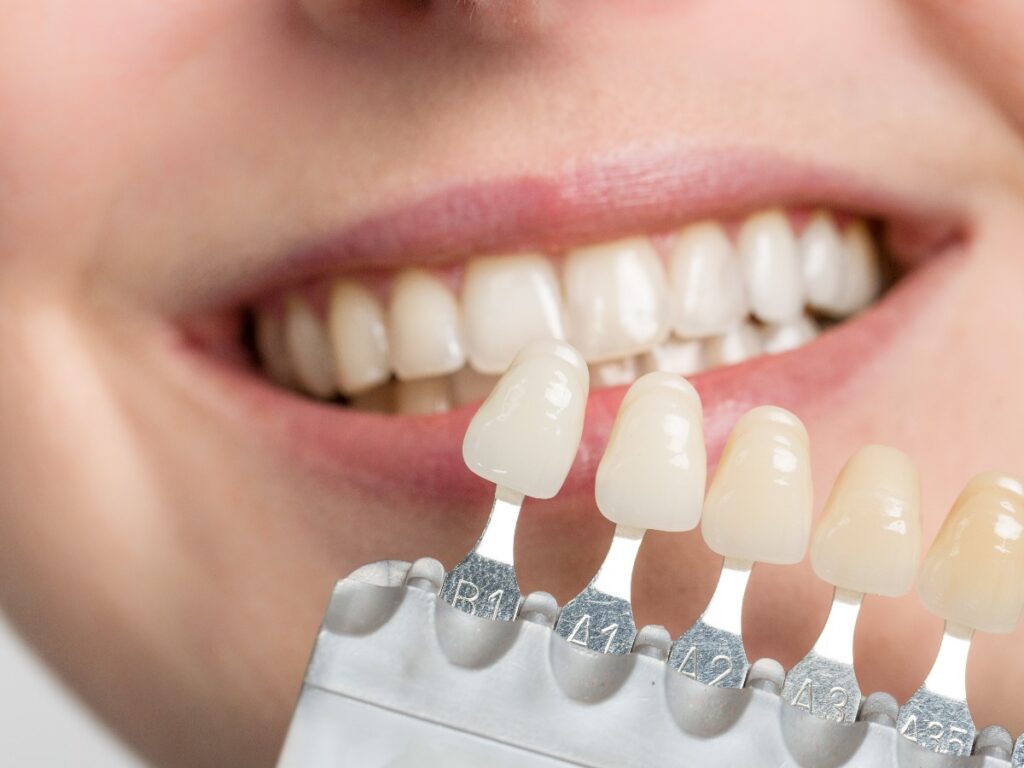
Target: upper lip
637	190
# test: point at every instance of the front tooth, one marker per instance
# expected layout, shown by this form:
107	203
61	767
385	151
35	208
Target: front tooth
973	574
424	327
507	302
273	348
653	471
617	299
707	285
784	337
423	396
770	260
308	348
681	356
862	275
869	535
526	433
822	260
759	505
739	344
355	323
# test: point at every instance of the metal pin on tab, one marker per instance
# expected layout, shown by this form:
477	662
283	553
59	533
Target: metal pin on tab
484	583
523	439
652	476
712	651
601	616
824	683
936	716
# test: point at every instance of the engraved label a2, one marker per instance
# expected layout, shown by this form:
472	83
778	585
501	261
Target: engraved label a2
713	673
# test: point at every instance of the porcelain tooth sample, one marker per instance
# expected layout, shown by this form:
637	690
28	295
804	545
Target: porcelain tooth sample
523	439
867	542
757	509
652	475
973	577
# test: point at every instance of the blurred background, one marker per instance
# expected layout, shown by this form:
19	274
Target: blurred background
41	724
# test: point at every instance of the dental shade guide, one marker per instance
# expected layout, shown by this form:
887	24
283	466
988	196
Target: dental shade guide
406	674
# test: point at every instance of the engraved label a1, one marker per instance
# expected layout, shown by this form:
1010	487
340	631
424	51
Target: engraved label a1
581	632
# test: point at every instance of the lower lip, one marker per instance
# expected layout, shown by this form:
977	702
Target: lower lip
420	456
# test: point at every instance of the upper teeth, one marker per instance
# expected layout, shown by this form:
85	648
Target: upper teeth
618	302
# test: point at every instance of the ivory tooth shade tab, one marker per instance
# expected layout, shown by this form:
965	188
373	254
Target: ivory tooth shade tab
523	439
867	541
973	577
757	509
652	475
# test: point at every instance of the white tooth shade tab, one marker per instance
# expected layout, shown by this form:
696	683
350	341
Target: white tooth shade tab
359	338
770	259
616	298
868	539
308	348
653	471
526	433
759	505
706	282
507	302
424	327
973	574
822	259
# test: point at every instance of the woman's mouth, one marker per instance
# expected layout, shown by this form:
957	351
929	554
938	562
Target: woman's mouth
370	351
711	294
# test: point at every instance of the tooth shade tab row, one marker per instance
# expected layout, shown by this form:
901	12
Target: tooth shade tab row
674	304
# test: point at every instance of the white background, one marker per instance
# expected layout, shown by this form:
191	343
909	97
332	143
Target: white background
41	725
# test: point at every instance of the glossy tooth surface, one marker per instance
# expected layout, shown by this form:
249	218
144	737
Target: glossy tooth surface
359	338
706	282
424	327
681	356
273	348
507	302
526	433
423	396
862	273
822	260
616	299
653	471
784	337
759	505
614	373
973	573
869	537
308	348
770	259
739	344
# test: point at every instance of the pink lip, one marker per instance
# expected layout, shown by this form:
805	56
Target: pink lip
635	191
421	456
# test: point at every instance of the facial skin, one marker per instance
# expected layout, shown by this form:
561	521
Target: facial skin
169	545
